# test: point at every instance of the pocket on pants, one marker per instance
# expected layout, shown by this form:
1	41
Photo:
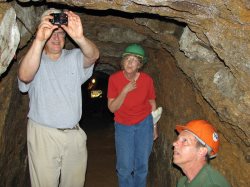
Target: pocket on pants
81	142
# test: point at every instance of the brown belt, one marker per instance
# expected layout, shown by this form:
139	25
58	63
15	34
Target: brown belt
73	128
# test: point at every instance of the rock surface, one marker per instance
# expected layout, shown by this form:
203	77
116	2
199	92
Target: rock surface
9	36
205	40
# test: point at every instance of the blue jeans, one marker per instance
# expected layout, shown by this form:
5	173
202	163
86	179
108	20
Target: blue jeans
133	148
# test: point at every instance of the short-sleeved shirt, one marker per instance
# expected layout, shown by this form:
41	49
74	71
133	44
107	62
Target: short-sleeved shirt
55	92
136	106
207	177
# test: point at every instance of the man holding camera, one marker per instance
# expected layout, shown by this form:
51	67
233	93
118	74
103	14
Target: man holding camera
53	76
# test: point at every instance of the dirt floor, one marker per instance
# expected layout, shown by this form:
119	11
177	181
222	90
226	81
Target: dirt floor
101	152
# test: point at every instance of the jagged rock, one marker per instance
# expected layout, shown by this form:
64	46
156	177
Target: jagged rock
209	41
9	36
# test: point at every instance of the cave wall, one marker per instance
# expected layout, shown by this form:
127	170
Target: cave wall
13	149
199	59
182	102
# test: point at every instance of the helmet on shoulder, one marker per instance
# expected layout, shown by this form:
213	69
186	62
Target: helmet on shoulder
137	50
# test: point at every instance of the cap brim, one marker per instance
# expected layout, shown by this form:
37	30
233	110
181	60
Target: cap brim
180	128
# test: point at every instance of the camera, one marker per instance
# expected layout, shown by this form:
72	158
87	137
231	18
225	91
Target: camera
59	19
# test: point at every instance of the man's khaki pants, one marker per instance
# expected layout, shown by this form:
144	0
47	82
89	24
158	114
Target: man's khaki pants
56	157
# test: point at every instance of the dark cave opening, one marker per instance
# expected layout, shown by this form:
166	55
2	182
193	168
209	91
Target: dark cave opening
95	112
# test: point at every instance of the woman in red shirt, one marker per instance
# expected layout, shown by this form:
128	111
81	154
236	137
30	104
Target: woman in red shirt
131	97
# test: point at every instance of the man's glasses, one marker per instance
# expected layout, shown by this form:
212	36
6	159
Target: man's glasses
59	34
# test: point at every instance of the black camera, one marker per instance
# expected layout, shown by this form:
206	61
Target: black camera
59	19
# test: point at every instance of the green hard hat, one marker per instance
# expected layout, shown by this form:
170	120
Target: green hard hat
137	50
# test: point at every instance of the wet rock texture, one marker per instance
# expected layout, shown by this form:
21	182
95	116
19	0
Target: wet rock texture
199	55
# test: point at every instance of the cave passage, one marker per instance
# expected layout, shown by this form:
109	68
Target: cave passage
94	95
97	122
197	70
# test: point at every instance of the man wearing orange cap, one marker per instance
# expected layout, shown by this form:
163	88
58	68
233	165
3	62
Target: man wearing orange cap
196	144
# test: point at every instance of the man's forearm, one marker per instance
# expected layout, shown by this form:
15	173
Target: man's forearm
90	51
31	61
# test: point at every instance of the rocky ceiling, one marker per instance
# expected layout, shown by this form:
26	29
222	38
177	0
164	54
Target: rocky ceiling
209	40
214	47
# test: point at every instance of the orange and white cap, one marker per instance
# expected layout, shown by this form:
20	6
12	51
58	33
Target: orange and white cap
204	132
